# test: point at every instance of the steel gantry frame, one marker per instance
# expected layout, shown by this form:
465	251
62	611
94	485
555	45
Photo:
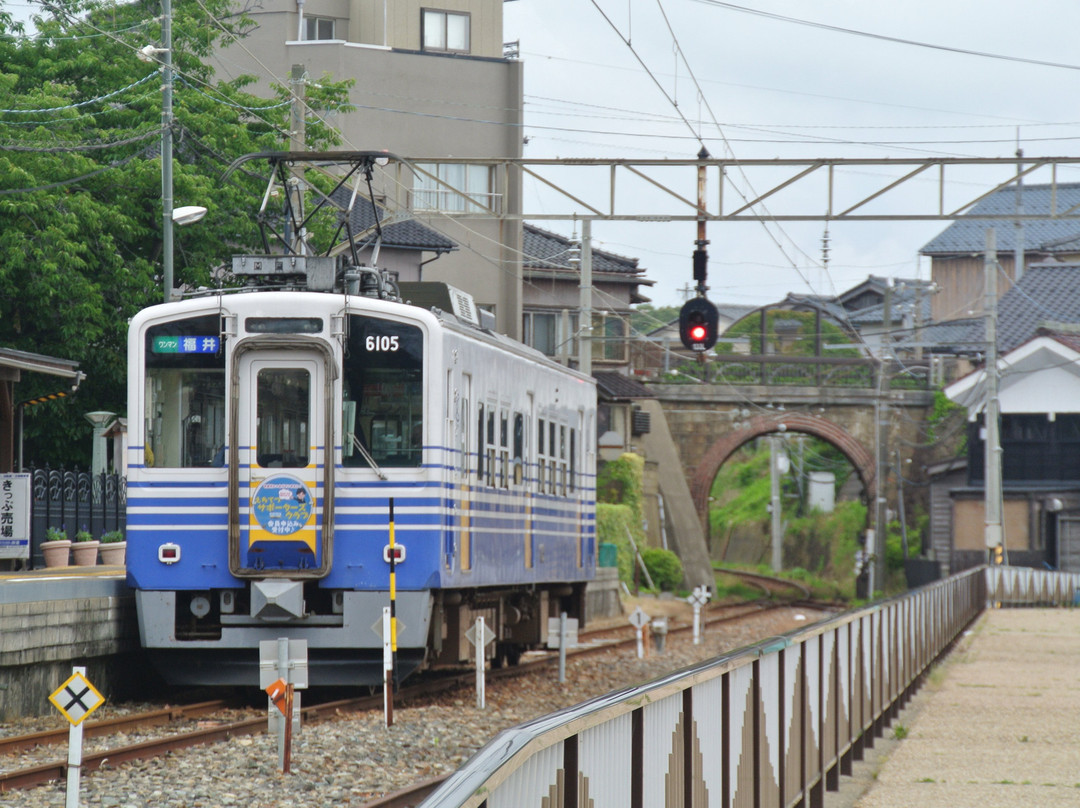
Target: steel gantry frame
606	196
842	190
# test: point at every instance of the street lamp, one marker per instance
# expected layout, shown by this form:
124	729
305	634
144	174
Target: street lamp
100	420
188	214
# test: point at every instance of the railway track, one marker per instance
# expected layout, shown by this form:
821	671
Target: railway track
216	730
413	795
769	585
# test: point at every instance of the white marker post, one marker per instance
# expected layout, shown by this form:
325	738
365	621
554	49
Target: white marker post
480	635
562	647
698	599
563	635
388	669
638	619
76	699
481	680
283	669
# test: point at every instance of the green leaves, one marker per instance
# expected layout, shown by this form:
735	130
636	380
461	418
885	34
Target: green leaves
81	187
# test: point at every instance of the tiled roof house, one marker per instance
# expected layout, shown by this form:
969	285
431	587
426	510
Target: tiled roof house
957	253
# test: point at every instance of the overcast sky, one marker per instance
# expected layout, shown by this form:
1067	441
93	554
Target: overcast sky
789	78
789	84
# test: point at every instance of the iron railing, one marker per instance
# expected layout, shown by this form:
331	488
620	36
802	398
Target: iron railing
769	725
74	500
804	371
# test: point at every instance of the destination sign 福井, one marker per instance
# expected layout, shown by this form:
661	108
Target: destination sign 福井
186	345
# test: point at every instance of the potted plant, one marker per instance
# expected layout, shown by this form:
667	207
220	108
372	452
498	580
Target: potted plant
56	547
84	550
113	548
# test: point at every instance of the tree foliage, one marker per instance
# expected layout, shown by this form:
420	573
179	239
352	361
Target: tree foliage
664	567
647	317
81	188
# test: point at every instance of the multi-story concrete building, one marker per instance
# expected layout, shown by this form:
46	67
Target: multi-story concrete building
431	84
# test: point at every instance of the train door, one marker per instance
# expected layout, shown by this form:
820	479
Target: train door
281	524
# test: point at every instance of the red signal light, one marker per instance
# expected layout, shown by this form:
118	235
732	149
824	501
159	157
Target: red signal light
698	324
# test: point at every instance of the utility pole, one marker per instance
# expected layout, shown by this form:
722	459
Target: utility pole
881	444
1018	270
774	504
992	443
585	318
166	150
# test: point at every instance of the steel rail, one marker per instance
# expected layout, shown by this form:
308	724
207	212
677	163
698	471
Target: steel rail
767	581
407	797
91	729
56	770
413	795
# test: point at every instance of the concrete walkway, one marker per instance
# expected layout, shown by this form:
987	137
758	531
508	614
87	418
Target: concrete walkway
997	724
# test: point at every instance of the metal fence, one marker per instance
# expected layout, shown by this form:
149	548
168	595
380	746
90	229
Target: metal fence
774	724
74	500
801	371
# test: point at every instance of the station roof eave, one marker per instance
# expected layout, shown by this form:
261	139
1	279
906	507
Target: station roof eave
40	363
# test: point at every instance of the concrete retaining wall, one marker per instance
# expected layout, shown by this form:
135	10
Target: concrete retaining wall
602	597
69	622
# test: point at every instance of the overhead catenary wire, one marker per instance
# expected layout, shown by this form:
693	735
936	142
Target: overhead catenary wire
885	37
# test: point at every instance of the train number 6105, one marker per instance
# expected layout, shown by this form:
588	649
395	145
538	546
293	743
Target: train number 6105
384	343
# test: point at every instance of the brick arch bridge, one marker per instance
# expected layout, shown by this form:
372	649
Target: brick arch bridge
707	422
702	475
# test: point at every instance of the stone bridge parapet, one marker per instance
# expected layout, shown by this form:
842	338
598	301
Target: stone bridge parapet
708	423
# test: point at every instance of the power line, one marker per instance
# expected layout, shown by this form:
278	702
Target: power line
72	181
885	37
80	104
74	147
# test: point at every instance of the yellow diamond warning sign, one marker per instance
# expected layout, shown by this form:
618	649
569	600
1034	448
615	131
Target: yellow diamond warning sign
76	698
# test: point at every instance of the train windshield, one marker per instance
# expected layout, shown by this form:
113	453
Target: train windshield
383	399
184	409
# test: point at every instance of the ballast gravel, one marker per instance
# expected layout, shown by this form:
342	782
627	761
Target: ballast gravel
355	758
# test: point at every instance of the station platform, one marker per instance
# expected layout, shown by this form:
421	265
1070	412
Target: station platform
995	725
62	583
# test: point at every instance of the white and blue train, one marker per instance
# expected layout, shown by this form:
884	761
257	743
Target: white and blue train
269	433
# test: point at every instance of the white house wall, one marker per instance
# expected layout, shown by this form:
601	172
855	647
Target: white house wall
1051	389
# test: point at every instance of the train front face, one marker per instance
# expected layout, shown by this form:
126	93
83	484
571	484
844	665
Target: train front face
257	410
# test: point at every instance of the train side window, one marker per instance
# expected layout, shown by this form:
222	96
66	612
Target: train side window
463	461
480	444
552	461
184	405
464	426
491	447
562	460
573	459
519	448
540	455
504	451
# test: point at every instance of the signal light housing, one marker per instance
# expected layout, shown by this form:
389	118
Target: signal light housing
698	324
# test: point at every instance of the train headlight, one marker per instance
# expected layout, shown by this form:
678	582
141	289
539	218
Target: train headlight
399	553
168	553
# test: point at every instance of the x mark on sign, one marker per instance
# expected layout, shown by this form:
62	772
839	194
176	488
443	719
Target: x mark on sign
76	698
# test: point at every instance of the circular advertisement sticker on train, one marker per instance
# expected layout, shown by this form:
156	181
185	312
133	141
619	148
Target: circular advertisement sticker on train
282	504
